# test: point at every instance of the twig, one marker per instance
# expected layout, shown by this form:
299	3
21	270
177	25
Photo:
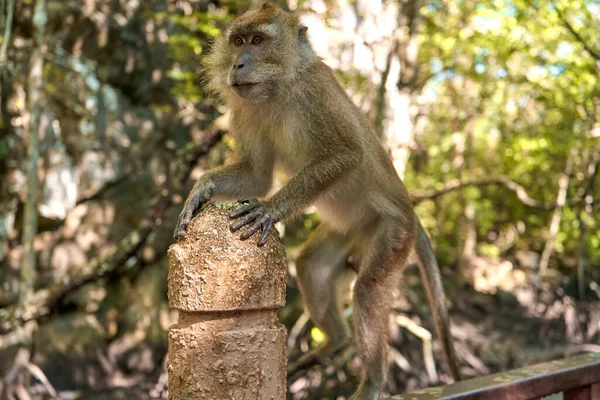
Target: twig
561	197
425	337
399	359
40	376
21	392
100	192
13	380
296	329
475	362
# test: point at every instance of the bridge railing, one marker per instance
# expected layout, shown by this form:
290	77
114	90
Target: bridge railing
575	378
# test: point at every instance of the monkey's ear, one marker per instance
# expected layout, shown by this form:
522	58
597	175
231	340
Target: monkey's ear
302	33
268	4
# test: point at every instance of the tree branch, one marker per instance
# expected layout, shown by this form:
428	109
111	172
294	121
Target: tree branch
502	180
576	34
379	102
44	301
100	192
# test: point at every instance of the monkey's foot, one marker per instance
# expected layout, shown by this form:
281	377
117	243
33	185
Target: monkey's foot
367	391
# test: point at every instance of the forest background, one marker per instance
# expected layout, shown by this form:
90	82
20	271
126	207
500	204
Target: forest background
489	109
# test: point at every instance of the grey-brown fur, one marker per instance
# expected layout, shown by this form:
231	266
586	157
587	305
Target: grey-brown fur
288	110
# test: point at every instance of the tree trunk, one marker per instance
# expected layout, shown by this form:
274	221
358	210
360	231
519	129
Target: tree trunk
10	12
585	214
400	130
36	70
5	197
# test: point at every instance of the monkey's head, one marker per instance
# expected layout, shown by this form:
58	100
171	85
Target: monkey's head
258	55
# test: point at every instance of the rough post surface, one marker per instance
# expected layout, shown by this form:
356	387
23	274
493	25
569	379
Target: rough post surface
227	343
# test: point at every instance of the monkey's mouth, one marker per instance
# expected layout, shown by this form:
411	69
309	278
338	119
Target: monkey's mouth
244	85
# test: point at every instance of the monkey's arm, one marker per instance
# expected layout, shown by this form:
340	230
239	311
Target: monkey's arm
301	191
242	178
304	188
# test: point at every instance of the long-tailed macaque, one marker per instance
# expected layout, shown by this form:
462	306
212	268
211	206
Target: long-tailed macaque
288	109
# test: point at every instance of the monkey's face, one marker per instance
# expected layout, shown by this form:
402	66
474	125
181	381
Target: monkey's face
254	69
257	55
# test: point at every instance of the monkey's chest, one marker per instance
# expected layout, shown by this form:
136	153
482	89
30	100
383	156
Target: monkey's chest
291	154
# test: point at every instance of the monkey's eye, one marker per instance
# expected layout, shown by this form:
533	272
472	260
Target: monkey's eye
257	40
238	41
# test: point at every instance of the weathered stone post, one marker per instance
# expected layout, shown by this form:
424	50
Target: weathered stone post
228	343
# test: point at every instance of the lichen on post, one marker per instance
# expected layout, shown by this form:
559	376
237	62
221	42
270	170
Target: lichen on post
228	343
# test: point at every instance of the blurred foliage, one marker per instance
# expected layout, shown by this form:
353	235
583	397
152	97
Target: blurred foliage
510	74
507	88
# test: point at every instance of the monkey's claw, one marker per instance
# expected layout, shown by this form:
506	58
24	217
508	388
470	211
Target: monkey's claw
182	222
256	215
200	194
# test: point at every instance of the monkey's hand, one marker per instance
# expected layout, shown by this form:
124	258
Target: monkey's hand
201	193
258	215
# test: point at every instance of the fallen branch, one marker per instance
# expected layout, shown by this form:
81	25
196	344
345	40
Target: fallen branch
44	301
22	366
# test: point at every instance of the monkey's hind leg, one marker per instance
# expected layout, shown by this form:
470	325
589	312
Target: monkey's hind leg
380	266
322	278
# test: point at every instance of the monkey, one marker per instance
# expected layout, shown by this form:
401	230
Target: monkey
288	111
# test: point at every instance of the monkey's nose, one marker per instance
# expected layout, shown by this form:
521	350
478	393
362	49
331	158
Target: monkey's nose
242	61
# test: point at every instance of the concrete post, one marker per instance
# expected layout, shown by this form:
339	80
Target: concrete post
228	343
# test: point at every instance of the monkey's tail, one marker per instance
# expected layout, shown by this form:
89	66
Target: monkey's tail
430	274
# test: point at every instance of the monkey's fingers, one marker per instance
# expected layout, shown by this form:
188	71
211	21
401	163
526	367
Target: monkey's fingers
246	220
266	231
179	234
247	200
255	227
245	209
182	223
192	205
